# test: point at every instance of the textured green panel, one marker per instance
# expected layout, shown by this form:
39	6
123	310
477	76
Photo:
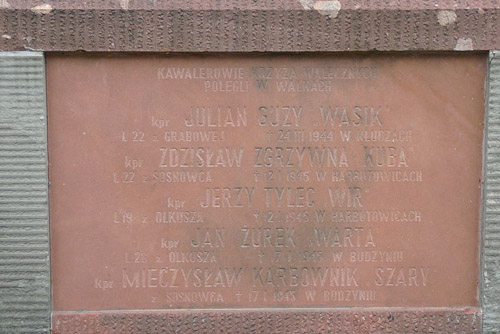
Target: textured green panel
24	226
491	257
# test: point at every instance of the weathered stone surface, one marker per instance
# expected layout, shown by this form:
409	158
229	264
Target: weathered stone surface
491	248
125	128
24	228
239	25
376	321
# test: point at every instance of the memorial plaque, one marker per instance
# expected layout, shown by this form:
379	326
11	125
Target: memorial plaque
269	181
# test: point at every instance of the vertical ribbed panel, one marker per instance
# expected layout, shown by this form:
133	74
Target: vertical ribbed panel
491	288
24	228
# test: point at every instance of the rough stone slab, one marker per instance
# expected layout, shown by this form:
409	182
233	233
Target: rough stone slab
24	227
246	26
273	321
491	257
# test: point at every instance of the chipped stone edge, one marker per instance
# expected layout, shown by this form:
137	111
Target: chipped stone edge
464	44
490	289
42	9
4	4
328	8
124	4
446	17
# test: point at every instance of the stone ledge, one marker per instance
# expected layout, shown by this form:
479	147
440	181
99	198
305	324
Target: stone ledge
362	321
241	26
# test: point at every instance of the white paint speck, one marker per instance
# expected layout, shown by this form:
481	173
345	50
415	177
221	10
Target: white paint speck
446	17
307	4
328	8
124	4
6	36
464	44
42	9
4	4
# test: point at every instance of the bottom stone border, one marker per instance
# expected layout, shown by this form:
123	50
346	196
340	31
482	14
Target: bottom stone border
275	321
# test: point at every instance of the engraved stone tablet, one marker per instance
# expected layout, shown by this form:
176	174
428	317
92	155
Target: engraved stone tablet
277	181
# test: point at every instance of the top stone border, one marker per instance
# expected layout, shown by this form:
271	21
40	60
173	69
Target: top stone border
249	26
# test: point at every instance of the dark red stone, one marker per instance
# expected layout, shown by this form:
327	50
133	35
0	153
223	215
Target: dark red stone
124	231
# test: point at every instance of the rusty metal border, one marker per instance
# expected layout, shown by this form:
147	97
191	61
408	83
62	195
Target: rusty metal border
249	26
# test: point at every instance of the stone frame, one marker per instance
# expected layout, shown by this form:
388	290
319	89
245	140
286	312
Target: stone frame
491	202
36	27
